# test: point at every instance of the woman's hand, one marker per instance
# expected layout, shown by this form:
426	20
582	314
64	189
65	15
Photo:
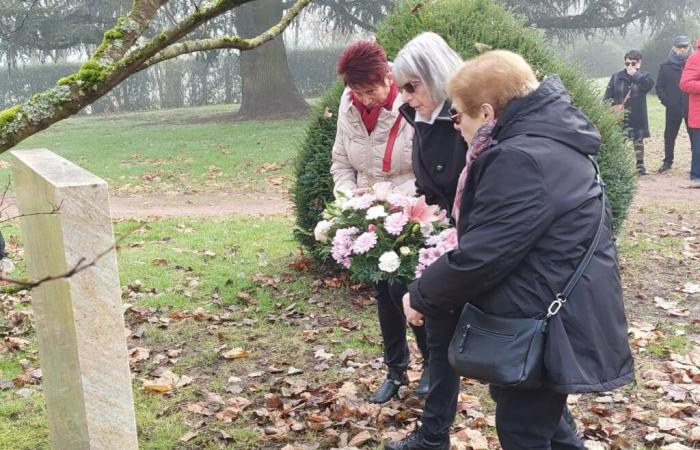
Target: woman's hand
412	316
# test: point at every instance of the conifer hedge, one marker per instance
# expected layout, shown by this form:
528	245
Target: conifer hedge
462	23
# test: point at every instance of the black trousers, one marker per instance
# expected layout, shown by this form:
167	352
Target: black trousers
673	125
533	420
392	323
441	402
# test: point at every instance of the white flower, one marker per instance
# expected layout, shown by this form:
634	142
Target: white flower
389	262
376	212
405	251
321	230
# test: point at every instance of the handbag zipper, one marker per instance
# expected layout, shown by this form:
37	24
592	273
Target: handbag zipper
492	333
467	327
465	332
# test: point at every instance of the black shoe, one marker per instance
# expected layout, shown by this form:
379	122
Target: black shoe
416	441
664	168
641	170
390	388
424	383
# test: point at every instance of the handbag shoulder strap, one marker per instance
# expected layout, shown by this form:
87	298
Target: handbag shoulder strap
563	296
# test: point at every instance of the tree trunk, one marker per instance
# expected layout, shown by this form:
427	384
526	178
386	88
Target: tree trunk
267	85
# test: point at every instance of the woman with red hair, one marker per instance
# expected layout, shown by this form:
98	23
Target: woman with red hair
373	144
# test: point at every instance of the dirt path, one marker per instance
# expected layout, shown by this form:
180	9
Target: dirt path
669	188
199	205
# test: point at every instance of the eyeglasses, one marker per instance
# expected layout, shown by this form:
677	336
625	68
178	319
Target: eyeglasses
456	116
631	63
410	87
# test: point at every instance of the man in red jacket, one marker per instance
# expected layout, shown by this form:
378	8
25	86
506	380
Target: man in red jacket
690	83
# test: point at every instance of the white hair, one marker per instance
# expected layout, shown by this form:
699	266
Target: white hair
428	58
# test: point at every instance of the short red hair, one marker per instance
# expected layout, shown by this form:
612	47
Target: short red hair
363	63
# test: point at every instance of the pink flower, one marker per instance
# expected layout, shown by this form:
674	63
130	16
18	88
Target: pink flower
397	199
420	212
371	227
342	245
449	237
364	201
394	223
437	246
364	242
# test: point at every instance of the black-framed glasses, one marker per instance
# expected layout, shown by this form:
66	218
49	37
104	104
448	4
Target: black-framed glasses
455	115
631	63
409	87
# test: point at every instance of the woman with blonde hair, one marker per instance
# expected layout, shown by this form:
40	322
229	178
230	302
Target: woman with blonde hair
529	204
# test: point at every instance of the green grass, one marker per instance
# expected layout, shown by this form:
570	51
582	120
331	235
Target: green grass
186	260
250	255
185	150
230	256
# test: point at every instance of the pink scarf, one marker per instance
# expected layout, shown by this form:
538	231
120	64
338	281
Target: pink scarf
482	140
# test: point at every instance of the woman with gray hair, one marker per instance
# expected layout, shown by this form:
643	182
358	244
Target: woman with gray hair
421	69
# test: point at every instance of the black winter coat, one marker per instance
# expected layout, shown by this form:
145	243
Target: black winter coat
529	211
670	94
638	85
439	155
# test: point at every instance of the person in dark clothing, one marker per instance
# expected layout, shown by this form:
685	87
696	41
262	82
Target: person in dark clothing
528	205
628	90
422	68
674	100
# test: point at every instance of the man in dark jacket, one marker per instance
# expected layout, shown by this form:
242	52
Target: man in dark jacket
529	209
628	90
671	96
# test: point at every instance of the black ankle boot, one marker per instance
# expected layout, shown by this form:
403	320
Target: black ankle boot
416	441
424	383
390	387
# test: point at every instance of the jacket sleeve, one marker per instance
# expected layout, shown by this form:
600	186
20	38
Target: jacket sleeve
661	86
511	211
690	79
644	80
344	174
610	90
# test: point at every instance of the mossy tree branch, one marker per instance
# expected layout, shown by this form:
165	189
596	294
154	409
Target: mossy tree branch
120	56
230	42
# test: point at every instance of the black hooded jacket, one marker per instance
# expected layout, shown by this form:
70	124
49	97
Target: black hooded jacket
637	86
668	90
439	155
529	211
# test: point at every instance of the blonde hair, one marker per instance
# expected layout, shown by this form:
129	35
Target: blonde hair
495	77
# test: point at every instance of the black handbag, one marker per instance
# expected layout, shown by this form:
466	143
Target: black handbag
508	351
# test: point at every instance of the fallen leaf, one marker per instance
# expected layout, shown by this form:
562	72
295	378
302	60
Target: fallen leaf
360	438
188	436
235	353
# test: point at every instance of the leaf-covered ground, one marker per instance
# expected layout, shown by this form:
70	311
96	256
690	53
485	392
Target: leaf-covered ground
236	341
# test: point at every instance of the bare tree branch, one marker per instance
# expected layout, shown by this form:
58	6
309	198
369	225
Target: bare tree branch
230	42
340	10
119	57
22	21
80	266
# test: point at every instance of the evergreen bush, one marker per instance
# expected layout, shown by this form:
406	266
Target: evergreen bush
462	23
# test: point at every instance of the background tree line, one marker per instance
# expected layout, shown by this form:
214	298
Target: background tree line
272	80
204	79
